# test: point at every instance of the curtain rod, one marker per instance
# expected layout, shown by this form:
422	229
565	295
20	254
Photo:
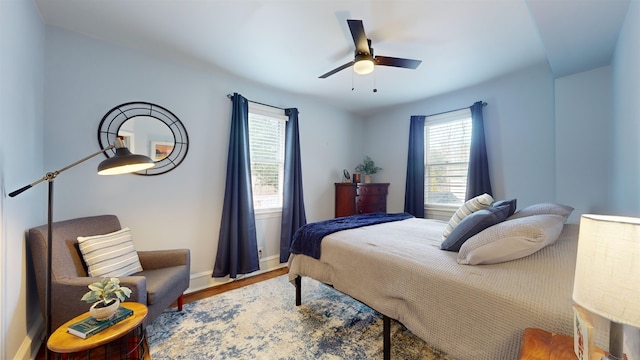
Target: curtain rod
230	96
444	112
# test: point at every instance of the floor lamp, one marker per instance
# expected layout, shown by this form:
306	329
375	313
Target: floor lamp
122	163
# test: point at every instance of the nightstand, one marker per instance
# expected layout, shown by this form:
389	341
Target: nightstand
538	344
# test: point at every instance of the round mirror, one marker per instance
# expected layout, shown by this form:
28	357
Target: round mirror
146	129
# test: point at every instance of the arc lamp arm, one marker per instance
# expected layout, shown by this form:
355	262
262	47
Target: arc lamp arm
50	176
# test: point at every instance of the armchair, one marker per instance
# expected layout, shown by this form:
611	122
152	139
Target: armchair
164	278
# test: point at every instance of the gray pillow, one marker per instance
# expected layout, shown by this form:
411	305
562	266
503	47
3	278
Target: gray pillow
474	224
511	239
512	205
543	208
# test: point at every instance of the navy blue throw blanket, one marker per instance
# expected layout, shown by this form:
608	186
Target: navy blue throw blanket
307	238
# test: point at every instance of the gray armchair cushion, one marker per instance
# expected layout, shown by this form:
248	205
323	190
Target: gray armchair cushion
167	273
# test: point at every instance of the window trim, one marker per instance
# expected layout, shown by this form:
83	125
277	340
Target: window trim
274	112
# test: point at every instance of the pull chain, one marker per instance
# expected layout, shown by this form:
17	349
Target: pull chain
352	80
375	89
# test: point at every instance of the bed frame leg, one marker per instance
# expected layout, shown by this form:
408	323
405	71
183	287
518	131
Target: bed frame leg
386	335
298	283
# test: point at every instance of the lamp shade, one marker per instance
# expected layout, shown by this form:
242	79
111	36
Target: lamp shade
364	64
124	162
607	277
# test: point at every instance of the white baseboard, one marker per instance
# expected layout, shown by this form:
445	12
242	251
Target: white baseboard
32	342
203	280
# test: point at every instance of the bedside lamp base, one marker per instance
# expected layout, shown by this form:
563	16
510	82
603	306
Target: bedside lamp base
616	341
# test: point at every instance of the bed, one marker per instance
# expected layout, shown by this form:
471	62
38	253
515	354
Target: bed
469	312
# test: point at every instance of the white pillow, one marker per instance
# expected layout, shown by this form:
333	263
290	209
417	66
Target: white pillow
477	203
543	208
110	255
511	239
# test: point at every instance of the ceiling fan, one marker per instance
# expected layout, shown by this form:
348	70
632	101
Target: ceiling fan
364	60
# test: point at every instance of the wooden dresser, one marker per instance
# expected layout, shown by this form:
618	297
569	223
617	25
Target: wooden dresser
360	198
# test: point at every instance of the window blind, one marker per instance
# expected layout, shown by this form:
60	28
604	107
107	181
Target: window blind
447	143
266	146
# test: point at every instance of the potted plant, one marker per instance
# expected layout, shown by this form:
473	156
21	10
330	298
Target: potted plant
105	295
368	168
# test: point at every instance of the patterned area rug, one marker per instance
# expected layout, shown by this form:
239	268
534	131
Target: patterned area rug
261	321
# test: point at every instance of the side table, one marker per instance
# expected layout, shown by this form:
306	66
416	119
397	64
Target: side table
124	338
538	344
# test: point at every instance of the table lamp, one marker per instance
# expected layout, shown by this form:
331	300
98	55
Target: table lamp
122	162
607	277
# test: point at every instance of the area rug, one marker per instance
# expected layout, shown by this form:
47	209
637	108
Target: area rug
261	321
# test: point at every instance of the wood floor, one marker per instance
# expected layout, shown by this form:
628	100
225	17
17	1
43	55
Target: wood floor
201	294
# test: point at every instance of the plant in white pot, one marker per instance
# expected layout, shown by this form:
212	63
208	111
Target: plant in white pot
105	295
368	168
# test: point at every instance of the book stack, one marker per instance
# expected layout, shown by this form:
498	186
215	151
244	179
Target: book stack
582	333
89	326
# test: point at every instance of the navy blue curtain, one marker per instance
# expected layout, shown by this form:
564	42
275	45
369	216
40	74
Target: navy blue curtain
293	214
414	188
237	244
478	181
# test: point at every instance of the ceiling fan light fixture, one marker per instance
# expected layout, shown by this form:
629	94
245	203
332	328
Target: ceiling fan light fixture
363	64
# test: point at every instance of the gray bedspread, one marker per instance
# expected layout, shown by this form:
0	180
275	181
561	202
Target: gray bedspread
469	312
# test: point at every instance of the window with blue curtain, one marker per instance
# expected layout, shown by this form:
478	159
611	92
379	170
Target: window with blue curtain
447	159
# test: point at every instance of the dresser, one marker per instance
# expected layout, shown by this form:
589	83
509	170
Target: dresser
360	198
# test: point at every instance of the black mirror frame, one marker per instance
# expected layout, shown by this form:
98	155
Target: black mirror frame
114	118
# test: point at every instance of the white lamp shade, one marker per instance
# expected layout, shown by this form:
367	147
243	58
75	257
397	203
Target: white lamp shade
364	64
607	278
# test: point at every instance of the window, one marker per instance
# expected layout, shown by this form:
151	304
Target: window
266	149
447	143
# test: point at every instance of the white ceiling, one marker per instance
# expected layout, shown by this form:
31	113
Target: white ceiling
287	44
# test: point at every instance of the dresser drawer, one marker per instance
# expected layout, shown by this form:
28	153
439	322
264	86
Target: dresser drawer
369	208
372	189
370	199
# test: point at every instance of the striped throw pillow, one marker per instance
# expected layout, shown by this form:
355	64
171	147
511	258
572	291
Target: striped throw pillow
110	255
477	203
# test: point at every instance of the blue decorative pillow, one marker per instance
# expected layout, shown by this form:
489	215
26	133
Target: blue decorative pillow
512	205
474	224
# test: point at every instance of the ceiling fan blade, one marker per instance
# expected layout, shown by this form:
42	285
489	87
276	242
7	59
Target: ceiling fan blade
397	62
339	68
359	36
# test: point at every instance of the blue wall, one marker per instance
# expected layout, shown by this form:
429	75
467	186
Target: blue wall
626	117
21	163
584	117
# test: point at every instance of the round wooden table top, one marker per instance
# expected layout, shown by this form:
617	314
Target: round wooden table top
63	342
538	344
